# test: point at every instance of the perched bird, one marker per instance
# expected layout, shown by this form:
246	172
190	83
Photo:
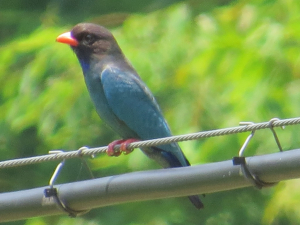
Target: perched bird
121	98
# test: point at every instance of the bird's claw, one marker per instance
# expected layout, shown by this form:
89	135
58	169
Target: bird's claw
123	147
110	150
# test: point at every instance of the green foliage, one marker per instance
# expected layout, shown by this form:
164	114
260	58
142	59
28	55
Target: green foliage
208	70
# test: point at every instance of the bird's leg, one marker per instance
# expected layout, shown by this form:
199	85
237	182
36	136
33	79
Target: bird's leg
123	148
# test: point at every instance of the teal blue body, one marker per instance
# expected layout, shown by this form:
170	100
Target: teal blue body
124	103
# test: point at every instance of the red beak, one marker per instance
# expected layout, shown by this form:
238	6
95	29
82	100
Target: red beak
66	38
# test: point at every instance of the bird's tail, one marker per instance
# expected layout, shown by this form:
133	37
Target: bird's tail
196	201
195	198
174	161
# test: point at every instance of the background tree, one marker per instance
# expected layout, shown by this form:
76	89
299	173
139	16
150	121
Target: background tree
210	65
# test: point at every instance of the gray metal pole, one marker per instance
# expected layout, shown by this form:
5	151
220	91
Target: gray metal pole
147	185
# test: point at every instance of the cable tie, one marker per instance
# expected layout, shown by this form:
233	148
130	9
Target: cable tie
52	192
241	160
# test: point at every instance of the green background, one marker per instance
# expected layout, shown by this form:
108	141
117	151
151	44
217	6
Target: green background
210	64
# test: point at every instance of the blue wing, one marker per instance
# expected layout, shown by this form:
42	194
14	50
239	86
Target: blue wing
133	103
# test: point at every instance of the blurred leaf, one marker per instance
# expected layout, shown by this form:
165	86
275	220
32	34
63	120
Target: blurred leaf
209	69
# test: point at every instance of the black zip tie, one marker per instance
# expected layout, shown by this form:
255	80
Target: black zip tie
52	192
241	160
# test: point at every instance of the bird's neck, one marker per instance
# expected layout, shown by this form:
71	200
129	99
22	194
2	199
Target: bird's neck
84	65
100	62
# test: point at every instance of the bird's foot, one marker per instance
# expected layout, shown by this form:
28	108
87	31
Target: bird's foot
123	148
110	150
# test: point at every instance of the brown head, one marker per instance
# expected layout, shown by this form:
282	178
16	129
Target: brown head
90	40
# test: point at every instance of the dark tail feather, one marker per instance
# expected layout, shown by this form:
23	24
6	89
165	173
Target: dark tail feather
196	201
173	161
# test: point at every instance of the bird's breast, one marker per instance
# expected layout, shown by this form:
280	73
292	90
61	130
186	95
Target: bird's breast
96	91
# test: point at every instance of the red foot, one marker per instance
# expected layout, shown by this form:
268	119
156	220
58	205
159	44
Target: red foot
123	148
110	151
124	145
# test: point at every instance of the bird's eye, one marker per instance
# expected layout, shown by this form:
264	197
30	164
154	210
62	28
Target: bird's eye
89	39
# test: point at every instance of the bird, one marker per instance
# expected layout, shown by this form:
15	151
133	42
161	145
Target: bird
122	100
